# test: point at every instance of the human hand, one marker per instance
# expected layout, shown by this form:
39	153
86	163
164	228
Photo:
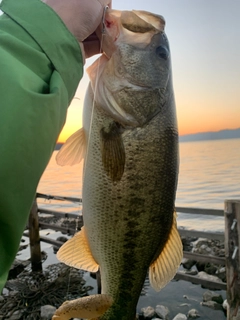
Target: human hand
82	17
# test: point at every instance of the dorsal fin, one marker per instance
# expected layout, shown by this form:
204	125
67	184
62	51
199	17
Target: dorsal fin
76	253
164	268
73	150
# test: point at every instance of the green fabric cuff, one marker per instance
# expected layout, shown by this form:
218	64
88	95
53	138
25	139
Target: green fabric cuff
51	34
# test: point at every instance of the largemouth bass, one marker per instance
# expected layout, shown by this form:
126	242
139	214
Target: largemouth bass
130	139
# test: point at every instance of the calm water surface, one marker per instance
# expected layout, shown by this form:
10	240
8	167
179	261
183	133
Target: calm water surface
209	174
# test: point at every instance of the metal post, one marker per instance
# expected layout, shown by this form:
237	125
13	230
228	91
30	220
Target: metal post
34	238
232	253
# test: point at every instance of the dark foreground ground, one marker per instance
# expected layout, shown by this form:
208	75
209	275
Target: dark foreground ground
26	292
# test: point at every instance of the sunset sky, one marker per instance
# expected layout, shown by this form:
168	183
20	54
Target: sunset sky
204	37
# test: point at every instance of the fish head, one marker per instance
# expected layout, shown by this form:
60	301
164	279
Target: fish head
134	68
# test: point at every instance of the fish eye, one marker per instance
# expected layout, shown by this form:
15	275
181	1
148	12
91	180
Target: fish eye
162	52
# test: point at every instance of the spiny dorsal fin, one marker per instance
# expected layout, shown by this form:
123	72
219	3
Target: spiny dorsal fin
164	268
86	307
113	152
73	150
76	253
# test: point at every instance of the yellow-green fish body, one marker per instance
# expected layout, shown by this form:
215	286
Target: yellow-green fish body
130	165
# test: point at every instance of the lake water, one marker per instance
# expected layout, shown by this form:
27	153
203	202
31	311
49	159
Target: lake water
209	174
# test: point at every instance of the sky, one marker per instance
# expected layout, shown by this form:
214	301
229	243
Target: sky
204	38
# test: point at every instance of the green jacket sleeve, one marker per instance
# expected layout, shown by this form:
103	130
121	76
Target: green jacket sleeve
40	68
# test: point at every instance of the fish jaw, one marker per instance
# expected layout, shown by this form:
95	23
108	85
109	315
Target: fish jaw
138	67
120	26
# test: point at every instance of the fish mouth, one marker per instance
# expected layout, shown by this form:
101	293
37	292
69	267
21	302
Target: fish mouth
133	27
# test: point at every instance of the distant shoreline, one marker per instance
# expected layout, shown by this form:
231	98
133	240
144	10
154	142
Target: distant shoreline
201	136
214	135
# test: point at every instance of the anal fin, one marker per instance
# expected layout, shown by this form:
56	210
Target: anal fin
164	268
87	307
73	150
76	253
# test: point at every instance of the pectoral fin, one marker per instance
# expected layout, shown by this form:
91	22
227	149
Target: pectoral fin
164	268
73	150
113	152
87	307
76	253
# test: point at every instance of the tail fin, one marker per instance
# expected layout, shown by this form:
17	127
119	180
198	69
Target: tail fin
87	307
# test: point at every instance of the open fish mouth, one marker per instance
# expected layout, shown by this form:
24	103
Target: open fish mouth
131	27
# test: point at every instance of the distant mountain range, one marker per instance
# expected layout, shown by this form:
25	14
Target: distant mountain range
215	135
212	135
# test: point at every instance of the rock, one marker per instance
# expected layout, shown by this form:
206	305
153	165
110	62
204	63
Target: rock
17	267
61	239
221	273
199	242
184	305
5	292
16	315
210	269
162	312
180	316
193	314
212	296
1	298
221	253
47	312
225	305
187	243
148	312
188	263
192	272
200	266
205	276
212	304
72	223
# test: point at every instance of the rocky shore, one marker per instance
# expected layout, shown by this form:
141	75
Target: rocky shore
36	296
205	270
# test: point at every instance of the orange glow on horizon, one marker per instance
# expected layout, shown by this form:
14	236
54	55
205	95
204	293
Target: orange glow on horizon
73	121
190	121
185	128
199	109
